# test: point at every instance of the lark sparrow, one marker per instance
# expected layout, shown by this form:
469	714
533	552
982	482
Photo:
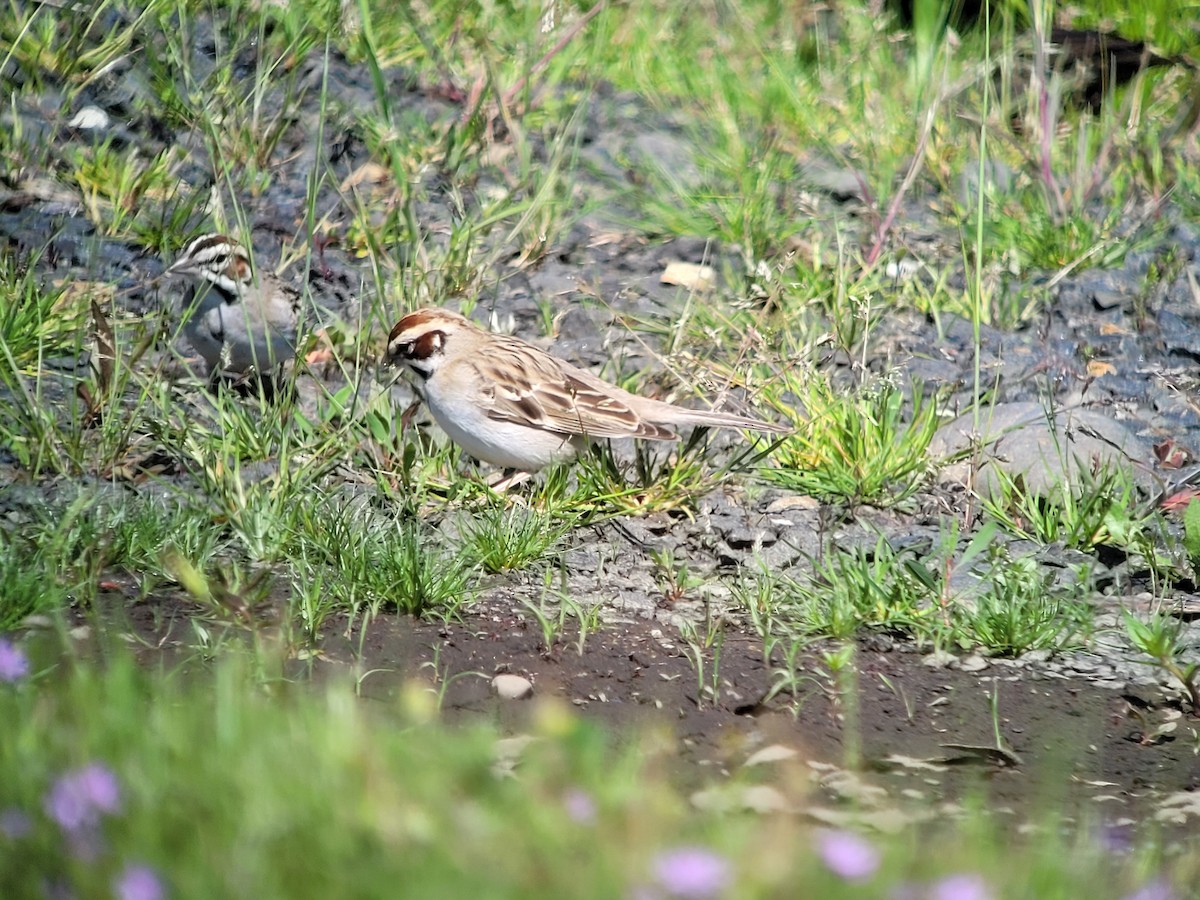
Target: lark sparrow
508	403
245	320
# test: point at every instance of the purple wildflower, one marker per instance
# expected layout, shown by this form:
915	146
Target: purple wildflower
14	664
15	823
138	882
78	798
965	886
1153	890
580	806
692	872
847	855
1116	838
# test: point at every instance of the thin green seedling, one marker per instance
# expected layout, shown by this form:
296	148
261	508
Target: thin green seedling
548	316
940	579
673	577
361	677
1160	637
714	682
361	611
994	708
443	679
761	598
840	663
312	602
757	595
900	693
789	675
587	619
703	642
551	621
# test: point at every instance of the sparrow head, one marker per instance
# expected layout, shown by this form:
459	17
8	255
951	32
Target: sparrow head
418	341
217	259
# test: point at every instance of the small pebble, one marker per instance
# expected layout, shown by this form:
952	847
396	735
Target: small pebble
772	754
90	118
512	687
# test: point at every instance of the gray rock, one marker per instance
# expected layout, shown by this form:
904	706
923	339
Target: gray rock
972	663
743	537
1179	335
824	175
1105	288
668	154
1042	447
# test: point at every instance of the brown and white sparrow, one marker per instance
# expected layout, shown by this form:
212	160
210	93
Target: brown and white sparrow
506	402
238	320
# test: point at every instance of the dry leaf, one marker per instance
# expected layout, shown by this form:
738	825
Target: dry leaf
689	275
1171	455
367	173
1179	500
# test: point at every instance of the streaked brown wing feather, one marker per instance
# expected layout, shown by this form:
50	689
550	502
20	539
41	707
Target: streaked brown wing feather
554	395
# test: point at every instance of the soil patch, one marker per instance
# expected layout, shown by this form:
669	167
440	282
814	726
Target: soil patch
926	737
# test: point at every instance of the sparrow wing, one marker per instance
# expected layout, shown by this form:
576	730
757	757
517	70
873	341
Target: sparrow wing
521	384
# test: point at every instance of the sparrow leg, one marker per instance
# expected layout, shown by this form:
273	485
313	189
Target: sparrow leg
244	384
508	479
282	384
268	386
216	379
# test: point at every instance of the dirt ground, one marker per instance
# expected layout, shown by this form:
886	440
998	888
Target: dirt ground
924	736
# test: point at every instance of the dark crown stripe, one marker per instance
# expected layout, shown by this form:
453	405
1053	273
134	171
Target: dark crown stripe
210	246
